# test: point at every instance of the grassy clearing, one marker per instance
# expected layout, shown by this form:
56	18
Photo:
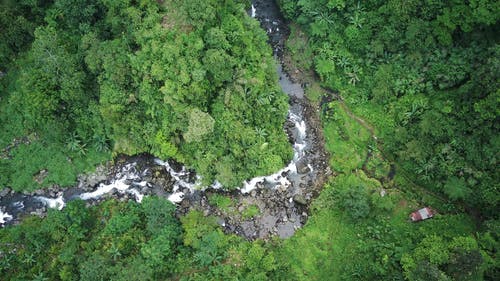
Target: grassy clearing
318	251
345	140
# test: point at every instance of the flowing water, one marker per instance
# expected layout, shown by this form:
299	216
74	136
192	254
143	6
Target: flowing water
282	197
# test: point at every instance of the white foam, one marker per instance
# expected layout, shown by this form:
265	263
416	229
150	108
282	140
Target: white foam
179	177
176	197
4	217
119	185
252	184
298	151
137	194
310	167
277	179
141	184
128	173
216	185
300	125
53	203
253	11
18	204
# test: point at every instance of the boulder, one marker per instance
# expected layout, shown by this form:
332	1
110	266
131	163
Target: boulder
4	192
299	199
302	167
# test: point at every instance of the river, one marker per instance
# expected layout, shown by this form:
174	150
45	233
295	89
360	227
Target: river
282	198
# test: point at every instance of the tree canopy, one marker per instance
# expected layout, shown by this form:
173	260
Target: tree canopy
176	79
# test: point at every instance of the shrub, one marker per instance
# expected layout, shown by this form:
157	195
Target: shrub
356	202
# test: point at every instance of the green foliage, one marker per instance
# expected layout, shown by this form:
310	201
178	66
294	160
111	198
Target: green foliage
200	124
456	188
354	201
41	164
176	79
194	80
385	247
18	20
435	103
345	140
195	226
220	201
211	249
435	259
119	241
250	212
158	215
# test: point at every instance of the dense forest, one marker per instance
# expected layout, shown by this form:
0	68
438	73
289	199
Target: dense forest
408	96
193	81
129	241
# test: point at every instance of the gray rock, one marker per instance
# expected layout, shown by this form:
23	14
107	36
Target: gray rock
221	222
302	167
249	229
299	199
94	179
286	230
4	192
185	204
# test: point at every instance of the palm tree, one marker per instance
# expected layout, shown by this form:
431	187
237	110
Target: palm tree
115	252
353	75
100	143
261	132
75	144
356	20
29	259
344	62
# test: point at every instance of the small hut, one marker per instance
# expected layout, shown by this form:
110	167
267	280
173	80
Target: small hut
422	214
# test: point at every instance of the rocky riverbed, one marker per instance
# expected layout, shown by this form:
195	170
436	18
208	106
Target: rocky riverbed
268	205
